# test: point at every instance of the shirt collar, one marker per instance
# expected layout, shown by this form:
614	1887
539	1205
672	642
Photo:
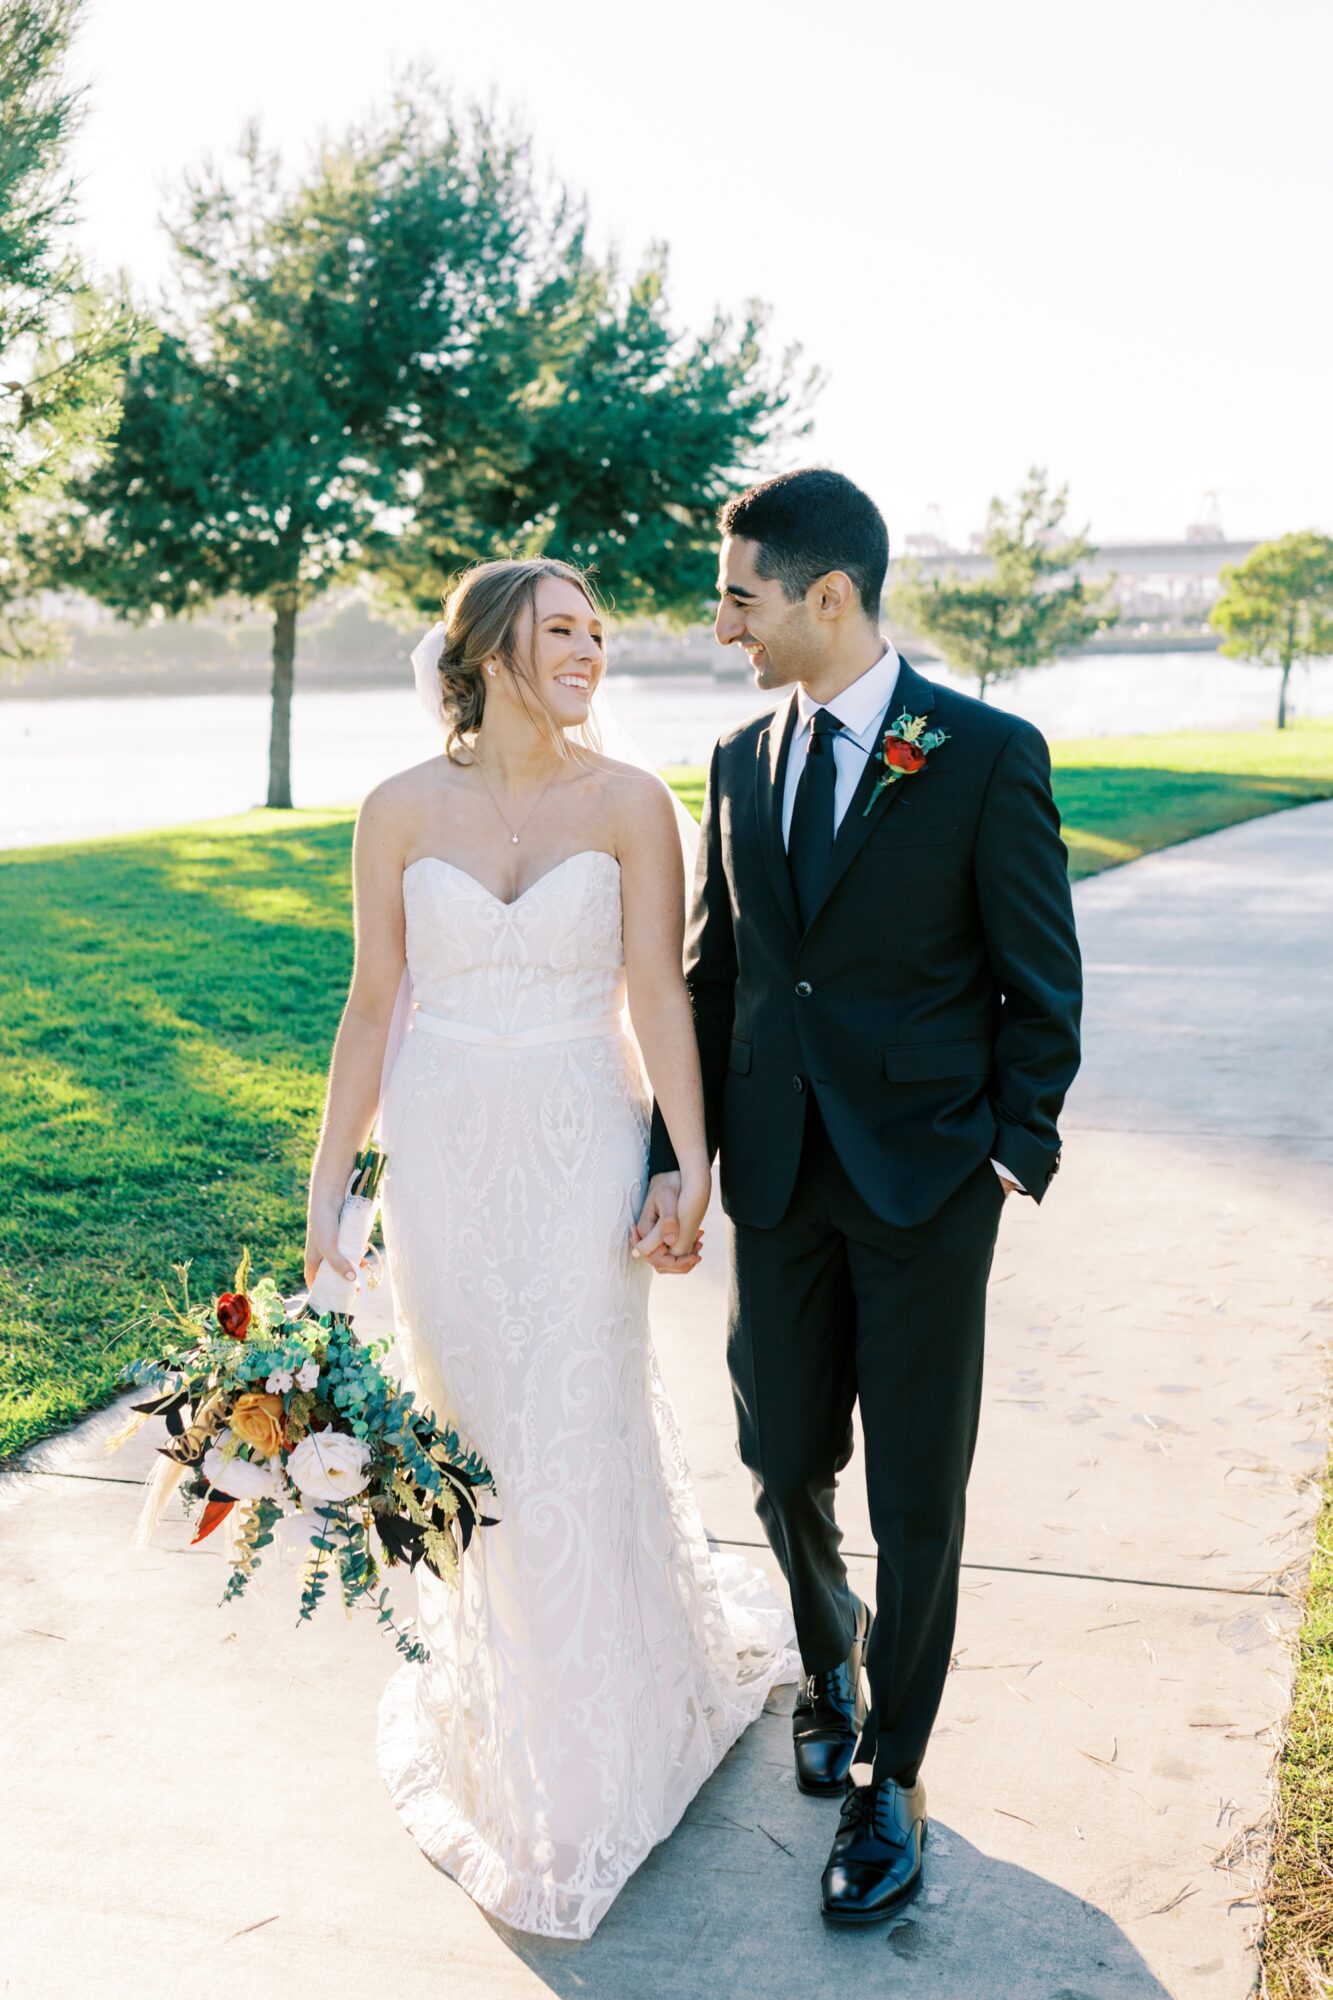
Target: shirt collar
859	706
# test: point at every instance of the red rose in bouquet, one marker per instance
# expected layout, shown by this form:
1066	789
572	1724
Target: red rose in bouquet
233	1311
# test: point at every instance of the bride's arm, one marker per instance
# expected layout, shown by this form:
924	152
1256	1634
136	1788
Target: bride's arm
358	1052
653	885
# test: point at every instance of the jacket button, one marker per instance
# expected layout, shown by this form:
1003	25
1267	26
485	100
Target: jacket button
798	1083
804	988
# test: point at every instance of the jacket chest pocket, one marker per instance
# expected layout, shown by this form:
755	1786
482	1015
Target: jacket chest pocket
739	1058
904	835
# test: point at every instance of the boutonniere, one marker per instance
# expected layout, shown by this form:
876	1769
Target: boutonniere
906	746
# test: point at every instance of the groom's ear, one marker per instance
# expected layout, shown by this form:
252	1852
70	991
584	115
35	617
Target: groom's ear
832	596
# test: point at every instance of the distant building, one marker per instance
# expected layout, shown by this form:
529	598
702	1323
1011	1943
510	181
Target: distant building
930	538
1208	527
1162	590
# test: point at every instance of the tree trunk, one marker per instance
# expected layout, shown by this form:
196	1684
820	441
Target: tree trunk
1287	655
981	686
280	732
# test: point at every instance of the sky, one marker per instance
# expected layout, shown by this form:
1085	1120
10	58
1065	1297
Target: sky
1094	239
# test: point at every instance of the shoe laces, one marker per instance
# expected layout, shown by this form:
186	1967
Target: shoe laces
858	1806
825	1683
868	1806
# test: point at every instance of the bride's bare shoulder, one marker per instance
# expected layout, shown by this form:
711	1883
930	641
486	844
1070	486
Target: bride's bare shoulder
396	804
641	803
405	790
628	782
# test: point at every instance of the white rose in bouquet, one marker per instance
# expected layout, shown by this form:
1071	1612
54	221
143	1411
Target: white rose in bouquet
329	1465
241	1477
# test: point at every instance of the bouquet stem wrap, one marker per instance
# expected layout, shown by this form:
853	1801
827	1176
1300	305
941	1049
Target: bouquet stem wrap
330	1292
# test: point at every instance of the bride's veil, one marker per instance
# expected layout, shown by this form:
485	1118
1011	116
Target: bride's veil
608	733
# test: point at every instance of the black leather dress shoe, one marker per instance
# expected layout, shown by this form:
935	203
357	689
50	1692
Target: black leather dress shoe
826	1721
874	1866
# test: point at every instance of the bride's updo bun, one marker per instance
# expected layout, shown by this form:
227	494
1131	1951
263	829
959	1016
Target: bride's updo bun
481	617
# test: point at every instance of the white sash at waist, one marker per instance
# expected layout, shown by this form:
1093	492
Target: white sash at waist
520	1038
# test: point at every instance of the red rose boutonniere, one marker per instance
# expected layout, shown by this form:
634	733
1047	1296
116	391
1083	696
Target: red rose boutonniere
906	746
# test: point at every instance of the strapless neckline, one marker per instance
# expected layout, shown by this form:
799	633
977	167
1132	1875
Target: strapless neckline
582	854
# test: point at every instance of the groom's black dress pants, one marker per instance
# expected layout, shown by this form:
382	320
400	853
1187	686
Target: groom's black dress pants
835	1306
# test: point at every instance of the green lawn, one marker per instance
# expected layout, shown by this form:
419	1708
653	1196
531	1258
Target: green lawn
168	1004
166	1012
1122	796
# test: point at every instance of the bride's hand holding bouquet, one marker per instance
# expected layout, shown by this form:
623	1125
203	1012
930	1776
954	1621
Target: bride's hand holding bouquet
338	1234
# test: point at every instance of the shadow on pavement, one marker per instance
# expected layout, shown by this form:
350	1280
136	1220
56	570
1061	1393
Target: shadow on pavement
729	1906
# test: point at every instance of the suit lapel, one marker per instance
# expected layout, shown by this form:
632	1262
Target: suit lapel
769	783
917	697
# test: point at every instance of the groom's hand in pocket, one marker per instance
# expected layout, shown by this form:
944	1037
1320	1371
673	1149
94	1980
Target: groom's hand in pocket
656	1233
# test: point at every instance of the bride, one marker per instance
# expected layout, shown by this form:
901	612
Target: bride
598	1659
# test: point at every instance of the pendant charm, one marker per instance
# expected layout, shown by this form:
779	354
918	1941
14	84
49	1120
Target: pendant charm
514	838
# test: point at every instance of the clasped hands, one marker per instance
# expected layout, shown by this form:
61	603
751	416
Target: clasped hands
672	1217
669	1232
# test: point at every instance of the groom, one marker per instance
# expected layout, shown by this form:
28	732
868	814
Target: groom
886	987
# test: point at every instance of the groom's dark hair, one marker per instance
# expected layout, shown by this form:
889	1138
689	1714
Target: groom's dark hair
810	522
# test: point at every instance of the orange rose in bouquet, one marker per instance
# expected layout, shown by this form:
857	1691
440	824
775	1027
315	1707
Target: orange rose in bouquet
257	1421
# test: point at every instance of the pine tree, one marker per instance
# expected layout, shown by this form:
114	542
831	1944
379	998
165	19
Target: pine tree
61	344
402	362
1031	606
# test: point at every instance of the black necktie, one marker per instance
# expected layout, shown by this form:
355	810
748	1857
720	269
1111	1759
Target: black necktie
810	842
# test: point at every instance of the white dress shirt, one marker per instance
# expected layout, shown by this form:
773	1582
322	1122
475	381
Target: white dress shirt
860	709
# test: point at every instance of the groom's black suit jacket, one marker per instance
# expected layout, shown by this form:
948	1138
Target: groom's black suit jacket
932	1003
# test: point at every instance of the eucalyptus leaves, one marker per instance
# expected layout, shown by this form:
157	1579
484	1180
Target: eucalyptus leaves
271	1413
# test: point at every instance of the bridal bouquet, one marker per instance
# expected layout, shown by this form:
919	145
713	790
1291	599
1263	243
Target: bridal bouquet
270	1412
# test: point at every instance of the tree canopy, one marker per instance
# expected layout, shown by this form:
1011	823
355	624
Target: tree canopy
401	362
1030	606
1276	607
60	342
614	449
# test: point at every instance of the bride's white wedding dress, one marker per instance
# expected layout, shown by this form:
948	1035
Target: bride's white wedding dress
599	1659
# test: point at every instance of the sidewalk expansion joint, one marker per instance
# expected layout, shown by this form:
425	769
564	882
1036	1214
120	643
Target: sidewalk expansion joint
48	1472
857	1555
1073	1575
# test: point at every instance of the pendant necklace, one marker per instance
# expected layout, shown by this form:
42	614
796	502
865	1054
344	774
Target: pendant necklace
513	836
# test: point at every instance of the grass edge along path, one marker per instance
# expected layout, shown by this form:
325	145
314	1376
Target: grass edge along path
1296	1939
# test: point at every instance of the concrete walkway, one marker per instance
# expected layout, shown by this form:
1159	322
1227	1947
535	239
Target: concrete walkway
190	1792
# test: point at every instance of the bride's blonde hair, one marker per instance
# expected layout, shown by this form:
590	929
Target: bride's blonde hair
481	615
